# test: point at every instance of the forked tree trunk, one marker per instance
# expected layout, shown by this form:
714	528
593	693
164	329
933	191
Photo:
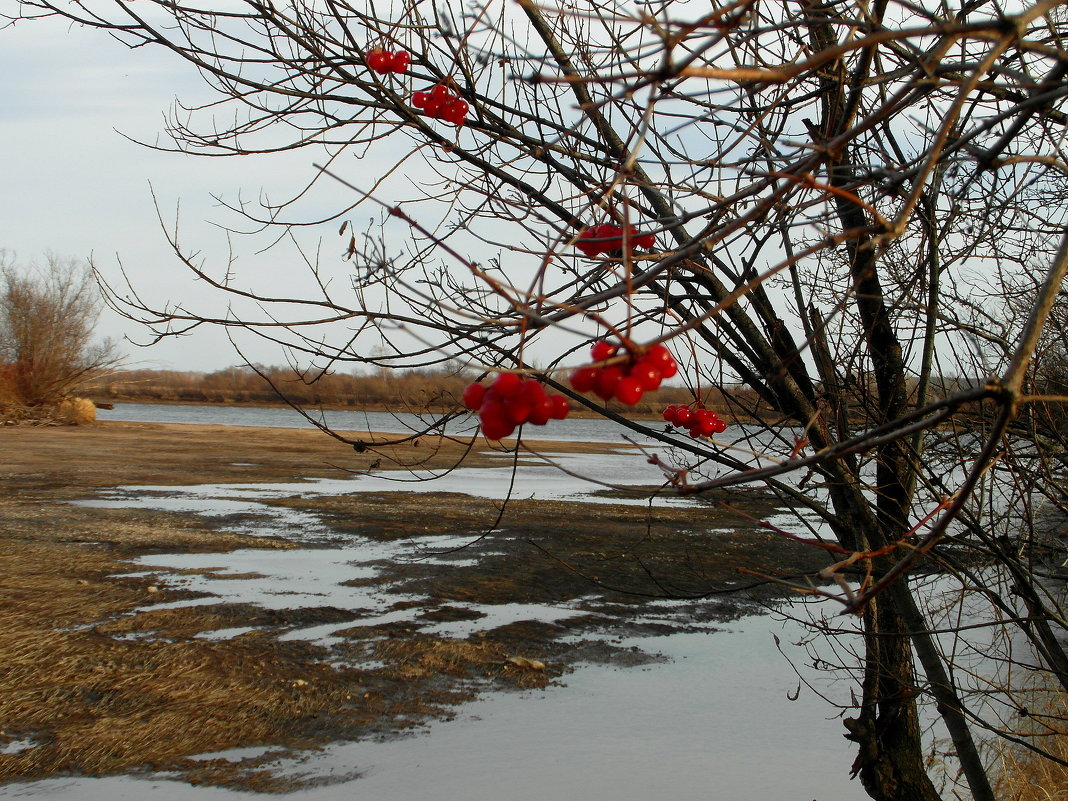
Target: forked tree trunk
890	758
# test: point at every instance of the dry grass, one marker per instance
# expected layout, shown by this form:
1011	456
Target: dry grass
66	411
426	657
1022	774
95	704
75	411
99	680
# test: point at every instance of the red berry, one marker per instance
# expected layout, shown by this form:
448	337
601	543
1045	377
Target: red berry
669	413
453	112
644	241
584	379
628	390
473	396
496	428
720	427
495	422
432	107
532	391
602	350
541	412
379	60
419	99
517	410
399	62
589	249
586	244
613	237
647	374
508	385
441	92
683	416
560	407
661	358
605	385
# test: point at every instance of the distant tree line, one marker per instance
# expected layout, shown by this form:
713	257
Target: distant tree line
416	390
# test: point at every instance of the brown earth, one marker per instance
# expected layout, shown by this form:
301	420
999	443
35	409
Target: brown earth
98	680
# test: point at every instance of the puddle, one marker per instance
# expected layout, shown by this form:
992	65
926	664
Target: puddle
537	480
17	746
350	576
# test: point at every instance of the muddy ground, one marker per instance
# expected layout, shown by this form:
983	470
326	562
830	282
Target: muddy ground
100	676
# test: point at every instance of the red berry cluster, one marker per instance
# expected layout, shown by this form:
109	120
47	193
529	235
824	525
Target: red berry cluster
609	238
625	382
700	421
441	104
384	61
511	401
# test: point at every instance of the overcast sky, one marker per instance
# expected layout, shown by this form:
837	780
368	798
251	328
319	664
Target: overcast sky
73	185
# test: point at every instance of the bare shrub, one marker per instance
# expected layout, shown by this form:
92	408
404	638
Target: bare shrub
47	317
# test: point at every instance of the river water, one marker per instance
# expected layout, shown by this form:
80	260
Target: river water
569	430
716	719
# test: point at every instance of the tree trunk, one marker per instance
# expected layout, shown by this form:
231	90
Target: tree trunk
890	760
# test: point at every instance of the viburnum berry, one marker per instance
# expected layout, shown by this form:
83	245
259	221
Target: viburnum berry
400	62
473	397
508	385
560	407
432	108
517	410
441	104
648	375
584	378
661	358
626	381
606	238
629	390
607	379
602	350
384	61
455	112
541	411
495	422
699	421
511	401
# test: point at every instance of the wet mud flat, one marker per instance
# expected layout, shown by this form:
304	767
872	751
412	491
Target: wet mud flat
136	638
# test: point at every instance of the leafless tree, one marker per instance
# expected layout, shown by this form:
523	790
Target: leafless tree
47	319
841	194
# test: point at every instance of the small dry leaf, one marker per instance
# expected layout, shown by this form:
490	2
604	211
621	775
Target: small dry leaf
152	589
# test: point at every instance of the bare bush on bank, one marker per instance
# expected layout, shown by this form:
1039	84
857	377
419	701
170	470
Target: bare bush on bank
833	204
48	314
